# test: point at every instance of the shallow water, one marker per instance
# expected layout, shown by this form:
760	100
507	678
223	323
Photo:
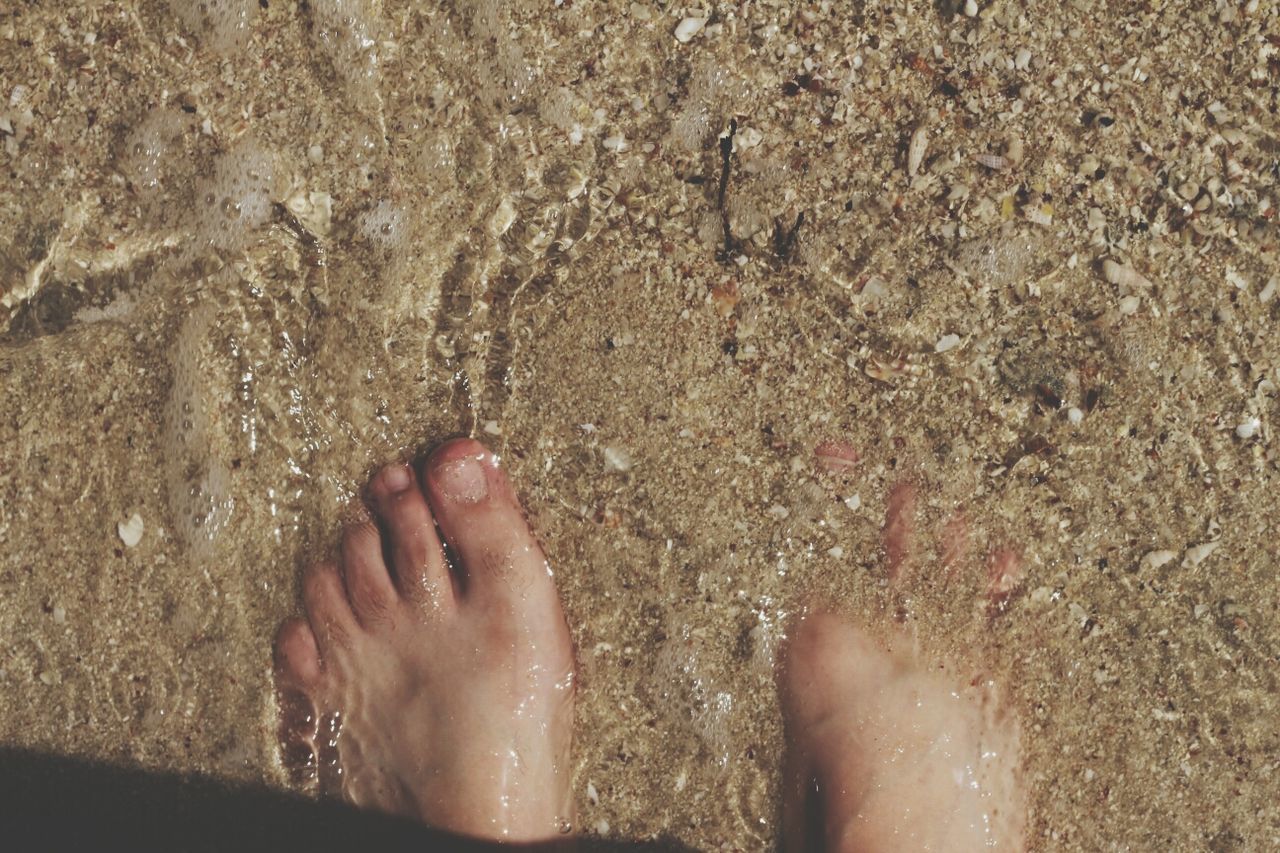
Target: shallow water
248	254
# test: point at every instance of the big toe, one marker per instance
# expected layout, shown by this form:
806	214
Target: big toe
828	661
480	517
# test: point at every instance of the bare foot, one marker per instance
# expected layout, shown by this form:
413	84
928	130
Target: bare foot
884	753
436	688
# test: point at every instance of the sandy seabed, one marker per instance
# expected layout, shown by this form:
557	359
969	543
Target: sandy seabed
1021	255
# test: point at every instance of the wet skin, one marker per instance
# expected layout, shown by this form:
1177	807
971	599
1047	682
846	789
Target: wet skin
438	689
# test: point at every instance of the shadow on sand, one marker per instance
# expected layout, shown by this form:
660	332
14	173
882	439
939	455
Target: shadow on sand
55	803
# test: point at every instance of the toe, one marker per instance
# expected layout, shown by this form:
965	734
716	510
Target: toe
899	525
297	660
367	581
328	611
417	558
481	520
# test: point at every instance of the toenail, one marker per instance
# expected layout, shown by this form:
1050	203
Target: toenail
396	478
463	479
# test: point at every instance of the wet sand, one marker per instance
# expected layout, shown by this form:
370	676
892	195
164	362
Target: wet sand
1023	258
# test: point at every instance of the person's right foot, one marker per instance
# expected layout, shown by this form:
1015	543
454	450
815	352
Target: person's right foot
435	689
884	754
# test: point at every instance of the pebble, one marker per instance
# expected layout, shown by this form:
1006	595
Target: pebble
130	531
1075	415
970	8
853	501
593	796
947	342
1248	427
1130	304
617	459
688	28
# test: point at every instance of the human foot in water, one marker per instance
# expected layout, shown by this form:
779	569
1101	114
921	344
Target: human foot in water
885	753
430	686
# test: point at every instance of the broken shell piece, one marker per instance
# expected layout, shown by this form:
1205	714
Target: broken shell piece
915	150
130	531
1197	554
746	137
890	369
688	28
313	210
1130	305
617	459
947	342
1156	559
838	457
992	161
1124	275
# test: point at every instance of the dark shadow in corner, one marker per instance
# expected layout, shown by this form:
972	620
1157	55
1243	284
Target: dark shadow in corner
56	803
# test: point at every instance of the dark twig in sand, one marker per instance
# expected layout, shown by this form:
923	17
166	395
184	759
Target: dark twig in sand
785	241
726	151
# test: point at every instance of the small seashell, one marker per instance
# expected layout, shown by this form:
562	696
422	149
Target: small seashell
915	150
130	531
1124	275
688	28
992	161
837	457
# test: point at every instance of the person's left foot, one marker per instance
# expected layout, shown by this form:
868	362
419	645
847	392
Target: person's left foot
438	688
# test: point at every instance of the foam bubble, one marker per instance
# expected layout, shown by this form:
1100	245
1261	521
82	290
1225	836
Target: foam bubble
237	199
712	93
347	31
149	145
222	25
198	482
384	226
